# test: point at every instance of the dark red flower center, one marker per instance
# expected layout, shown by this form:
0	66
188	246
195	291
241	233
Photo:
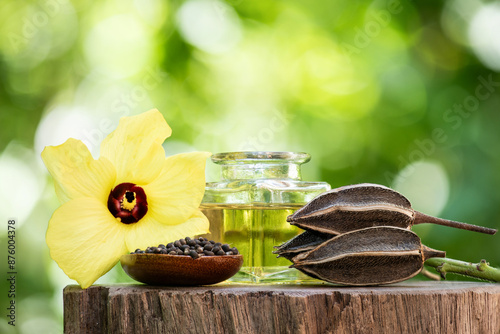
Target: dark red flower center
128	203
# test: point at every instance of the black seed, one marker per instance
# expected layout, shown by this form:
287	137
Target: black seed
200	246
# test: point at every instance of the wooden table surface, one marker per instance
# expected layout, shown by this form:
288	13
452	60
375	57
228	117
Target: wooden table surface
407	307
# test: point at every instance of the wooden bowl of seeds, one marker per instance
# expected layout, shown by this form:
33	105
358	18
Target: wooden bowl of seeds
159	265
164	269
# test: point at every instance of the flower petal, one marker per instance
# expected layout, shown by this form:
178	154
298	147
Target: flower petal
76	174
149	232
85	240
135	148
178	190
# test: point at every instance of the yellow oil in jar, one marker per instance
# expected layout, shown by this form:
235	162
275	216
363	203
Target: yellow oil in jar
255	230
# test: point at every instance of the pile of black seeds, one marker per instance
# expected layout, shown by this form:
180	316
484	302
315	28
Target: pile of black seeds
192	247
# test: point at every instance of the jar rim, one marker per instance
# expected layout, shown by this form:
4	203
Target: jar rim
260	157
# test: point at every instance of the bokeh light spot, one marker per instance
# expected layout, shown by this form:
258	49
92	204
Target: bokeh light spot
21	185
425	183
484	35
211	26
68	122
118	46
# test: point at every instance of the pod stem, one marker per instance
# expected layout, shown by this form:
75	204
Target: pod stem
421	218
430	253
480	270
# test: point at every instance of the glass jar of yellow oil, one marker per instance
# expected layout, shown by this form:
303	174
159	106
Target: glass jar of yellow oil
248	208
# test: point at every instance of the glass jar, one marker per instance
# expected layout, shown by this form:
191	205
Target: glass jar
249	206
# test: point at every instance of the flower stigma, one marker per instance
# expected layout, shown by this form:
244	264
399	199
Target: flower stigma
128	203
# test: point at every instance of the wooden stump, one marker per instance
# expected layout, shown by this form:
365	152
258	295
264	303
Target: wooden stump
408	307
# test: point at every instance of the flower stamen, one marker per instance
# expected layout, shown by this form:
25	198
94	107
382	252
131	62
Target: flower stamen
129	201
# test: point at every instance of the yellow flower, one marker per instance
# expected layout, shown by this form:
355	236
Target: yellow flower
131	197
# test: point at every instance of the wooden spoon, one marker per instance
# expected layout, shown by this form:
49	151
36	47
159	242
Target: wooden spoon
164	269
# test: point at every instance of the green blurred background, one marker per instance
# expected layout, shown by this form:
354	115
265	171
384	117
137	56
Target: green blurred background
402	93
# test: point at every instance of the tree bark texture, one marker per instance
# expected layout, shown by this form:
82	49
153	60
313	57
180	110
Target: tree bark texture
407	307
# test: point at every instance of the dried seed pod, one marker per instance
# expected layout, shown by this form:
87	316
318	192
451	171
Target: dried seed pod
364	205
307	240
370	256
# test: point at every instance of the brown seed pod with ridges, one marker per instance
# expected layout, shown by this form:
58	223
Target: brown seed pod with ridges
365	205
307	240
370	256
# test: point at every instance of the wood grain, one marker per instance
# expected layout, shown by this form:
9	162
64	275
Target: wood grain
408	307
